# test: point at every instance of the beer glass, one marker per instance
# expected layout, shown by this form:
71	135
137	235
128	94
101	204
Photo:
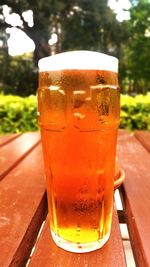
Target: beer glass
78	109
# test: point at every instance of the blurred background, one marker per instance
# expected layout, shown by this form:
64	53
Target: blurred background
30	30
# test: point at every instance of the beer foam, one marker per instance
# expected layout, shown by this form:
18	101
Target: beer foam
81	60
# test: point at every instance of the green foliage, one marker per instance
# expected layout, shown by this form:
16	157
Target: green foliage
18	114
135	57
91	25
78	24
135	112
20	78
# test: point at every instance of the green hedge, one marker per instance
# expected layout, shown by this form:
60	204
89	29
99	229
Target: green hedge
135	112
18	114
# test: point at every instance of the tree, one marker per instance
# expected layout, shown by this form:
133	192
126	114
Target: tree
39	33
78	24
91	25
21	78
135	64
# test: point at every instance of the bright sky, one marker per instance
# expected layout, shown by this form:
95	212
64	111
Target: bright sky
19	43
121	8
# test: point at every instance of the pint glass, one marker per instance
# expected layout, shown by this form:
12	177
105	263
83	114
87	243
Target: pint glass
78	108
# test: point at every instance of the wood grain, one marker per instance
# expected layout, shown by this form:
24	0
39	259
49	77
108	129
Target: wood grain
22	208
144	138
48	254
5	139
13	152
135	160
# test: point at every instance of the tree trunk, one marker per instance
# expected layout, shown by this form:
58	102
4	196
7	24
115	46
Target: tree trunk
42	49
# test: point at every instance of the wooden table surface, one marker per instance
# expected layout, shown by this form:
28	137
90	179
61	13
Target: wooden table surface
24	229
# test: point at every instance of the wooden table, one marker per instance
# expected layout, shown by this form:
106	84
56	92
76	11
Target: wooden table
24	230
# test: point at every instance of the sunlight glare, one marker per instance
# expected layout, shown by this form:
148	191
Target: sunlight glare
12	19
121	8
18	42
53	40
28	17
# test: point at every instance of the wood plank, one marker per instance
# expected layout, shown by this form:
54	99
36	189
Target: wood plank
22	209
48	254
13	152
144	138
6	138
135	160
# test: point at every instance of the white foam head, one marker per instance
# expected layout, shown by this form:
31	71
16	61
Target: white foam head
81	60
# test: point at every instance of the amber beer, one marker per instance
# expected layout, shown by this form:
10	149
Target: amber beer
78	107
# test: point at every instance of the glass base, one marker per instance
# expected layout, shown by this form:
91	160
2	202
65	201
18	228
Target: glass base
79	247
